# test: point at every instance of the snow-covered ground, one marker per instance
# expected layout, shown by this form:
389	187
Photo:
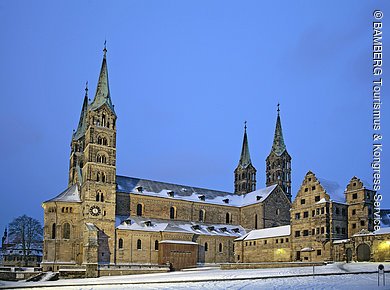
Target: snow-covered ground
212	278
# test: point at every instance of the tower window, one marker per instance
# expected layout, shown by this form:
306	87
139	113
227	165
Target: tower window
139	209
228	217
256	221
220	248
66	231
202	214
139	244
354	196
156	245
206	247
53	231
120	244
172	212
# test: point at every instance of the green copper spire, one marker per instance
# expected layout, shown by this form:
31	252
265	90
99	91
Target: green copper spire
278	147
102	95
245	158
83	116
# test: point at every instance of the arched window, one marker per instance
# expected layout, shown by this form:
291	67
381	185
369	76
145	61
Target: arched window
100	140
139	244
206	247
172	212
104	120
139	209
156	245
101	158
228	217
220	247
202	214
101	197
120	244
105	141
66	231
53	231
256	221
103	177
98	176
97	196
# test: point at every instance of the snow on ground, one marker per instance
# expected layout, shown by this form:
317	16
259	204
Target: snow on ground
233	279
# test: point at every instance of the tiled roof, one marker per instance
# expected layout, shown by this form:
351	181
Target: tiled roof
71	194
189	193
160	225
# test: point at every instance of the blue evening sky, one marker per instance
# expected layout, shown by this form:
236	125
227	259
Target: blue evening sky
184	76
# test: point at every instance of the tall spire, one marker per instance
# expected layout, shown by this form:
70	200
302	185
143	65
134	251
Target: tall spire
278	147
83	116
102	95
245	172
245	158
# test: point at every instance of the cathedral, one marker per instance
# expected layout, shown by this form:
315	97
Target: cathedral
109	224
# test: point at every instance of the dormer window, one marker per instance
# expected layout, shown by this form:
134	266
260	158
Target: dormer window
148	223
226	200
196	227
139	188
202	197
236	230
224	229
211	228
171	193
258	197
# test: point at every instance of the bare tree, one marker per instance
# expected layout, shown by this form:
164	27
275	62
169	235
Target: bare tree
26	232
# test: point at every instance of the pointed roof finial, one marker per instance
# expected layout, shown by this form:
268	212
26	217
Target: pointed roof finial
245	158
278	145
105	48
86	88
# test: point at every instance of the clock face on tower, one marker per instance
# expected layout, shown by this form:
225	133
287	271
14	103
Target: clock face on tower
95	210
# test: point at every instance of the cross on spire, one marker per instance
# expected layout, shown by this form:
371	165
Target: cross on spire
105	48
245	125
278	108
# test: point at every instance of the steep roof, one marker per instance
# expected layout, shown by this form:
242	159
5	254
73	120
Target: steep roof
102	95
189	193
278	146
267	233
245	158
333	189
82	127
71	194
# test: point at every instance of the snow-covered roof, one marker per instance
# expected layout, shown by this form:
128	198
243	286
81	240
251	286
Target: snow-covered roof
178	242
267	233
159	225
333	189
189	193
382	231
17	250
307	249
341	241
71	194
91	227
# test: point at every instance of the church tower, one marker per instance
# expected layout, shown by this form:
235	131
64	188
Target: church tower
93	166
245	173
278	162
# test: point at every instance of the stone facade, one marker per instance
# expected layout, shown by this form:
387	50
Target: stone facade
103	219
321	219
